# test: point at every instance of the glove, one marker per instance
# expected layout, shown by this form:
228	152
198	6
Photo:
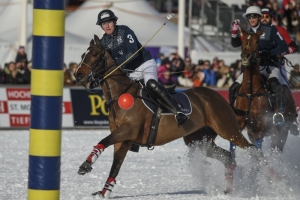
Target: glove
235	27
264	54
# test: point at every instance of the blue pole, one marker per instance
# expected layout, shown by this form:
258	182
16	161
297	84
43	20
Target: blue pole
46	99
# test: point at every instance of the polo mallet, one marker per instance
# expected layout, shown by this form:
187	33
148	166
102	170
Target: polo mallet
170	16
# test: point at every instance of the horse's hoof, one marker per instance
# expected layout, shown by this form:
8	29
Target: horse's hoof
104	193
85	167
97	193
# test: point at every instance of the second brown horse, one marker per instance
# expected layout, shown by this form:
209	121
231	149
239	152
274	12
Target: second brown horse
253	106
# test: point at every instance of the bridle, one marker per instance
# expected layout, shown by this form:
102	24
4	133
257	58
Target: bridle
94	78
249	58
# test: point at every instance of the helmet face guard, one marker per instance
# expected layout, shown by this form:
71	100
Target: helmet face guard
106	15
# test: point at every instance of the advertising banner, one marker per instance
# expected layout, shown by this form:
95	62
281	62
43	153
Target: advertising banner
89	109
15	108
80	107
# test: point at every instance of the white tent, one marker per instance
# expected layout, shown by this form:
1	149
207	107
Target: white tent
80	27
138	15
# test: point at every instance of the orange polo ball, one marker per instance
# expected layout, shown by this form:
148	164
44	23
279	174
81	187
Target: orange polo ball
126	101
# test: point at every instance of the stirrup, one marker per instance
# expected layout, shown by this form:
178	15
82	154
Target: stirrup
278	119
181	118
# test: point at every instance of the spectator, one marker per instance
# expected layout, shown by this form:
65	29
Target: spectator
168	79
72	68
67	77
289	17
177	66
22	69
166	65
160	58
199	66
295	76
277	15
13	76
215	63
198	78
185	79
226	80
188	66
210	77
21	56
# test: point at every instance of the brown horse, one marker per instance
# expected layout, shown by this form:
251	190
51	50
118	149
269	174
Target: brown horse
211	116
254	108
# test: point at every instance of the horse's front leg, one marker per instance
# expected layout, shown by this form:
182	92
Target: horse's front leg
120	152
123	133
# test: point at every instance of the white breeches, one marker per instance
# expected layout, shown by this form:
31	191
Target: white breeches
148	70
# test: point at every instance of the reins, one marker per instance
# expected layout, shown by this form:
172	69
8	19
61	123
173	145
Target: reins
253	61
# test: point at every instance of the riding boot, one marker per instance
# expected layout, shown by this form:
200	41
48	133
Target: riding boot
232	91
158	91
278	100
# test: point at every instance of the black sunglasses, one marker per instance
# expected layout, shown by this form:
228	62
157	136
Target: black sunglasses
254	16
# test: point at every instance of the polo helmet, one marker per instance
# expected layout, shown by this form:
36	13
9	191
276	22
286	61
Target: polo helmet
252	10
106	15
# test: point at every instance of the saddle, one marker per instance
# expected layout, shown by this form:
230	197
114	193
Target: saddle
180	98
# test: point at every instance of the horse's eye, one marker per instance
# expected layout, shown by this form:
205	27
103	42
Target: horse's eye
95	54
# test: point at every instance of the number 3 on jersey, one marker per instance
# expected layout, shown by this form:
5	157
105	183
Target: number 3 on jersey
131	40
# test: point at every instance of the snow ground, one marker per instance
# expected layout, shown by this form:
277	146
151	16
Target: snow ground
167	172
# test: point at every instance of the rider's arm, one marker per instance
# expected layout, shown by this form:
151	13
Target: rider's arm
281	46
130	47
292	46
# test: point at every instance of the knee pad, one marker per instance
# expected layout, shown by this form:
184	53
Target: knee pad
152	84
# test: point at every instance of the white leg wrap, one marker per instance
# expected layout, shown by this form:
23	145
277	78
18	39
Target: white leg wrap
95	153
108	187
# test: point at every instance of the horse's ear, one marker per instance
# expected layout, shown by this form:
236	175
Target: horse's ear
92	43
259	33
244	32
97	40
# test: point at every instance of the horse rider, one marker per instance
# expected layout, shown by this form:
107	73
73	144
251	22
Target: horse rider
267	16
121	42
271	44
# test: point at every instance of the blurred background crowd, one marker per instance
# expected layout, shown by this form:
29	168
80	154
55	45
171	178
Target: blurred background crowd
172	69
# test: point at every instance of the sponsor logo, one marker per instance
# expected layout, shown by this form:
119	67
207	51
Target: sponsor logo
18	94
98	105
120	52
19	120
104	15
119	40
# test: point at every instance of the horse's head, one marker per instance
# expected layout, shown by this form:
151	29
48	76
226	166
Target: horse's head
250	44
94	63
